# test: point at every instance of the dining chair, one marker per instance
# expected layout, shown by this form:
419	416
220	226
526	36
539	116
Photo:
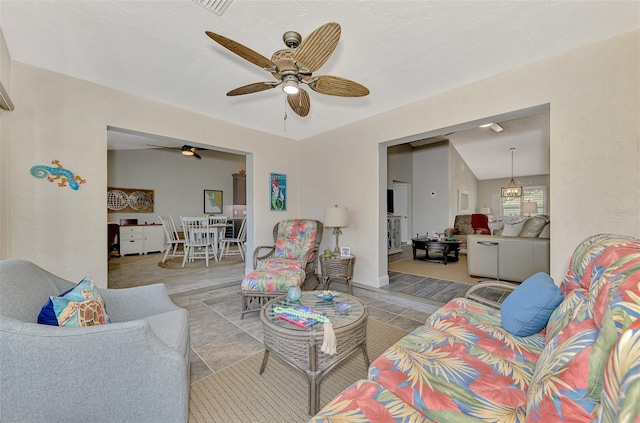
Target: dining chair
173	239
200	241
240	239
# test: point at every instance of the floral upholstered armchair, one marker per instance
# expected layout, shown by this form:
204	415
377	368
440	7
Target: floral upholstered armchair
468	224
291	261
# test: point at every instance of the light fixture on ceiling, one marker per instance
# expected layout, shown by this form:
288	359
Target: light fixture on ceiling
494	127
187	152
511	190
290	84
216	6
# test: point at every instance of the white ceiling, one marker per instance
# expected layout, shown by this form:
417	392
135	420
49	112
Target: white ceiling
403	51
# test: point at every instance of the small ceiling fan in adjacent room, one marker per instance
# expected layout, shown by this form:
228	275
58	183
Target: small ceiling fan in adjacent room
295	65
186	150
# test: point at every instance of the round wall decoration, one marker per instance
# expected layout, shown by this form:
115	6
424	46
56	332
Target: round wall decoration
139	200
117	200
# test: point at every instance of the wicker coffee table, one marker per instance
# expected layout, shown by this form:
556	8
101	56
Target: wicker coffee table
300	347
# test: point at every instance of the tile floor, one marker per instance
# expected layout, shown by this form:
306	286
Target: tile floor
219	337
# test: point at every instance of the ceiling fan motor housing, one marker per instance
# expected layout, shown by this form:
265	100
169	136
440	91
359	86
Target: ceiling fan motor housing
292	39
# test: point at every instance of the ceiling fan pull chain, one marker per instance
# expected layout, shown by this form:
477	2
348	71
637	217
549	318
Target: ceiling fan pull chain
284	122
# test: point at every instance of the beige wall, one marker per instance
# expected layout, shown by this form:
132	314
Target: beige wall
595	157
5	78
178	182
58	117
593	97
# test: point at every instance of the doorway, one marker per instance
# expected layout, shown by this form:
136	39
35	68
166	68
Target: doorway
402	208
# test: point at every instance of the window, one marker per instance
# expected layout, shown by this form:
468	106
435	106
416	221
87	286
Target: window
511	206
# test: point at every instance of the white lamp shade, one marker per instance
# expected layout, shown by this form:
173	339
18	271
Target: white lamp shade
529	207
336	217
485	210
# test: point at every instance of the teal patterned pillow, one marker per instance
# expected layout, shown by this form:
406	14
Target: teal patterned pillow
81	306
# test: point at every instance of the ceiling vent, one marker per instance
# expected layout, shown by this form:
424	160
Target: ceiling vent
216	6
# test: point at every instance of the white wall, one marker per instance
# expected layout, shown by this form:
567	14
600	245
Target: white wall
399	164
594	148
5	78
178	181
430	188
461	179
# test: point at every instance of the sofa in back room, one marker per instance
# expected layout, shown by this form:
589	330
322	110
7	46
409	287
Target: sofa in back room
524	249
549	354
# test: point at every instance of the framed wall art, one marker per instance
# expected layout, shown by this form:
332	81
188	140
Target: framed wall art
278	192
129	200
212	201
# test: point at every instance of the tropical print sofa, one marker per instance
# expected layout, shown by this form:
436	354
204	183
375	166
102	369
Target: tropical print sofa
464	366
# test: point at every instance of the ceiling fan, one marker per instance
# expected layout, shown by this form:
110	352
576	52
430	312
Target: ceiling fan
186	150
295	65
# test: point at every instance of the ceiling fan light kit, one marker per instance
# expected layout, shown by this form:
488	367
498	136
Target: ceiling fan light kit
295	65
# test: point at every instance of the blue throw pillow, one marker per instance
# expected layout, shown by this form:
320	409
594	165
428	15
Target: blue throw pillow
527	309
80	306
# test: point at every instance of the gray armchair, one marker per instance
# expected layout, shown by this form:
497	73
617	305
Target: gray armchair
135	369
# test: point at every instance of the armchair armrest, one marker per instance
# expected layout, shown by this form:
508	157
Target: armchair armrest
128	304
309	257
257	251
473	294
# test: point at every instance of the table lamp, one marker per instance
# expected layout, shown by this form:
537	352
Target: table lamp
336	218
529	207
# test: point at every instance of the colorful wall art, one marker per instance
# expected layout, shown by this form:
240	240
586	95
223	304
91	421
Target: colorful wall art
59	174
278	187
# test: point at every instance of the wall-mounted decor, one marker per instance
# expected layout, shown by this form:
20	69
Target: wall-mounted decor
129	200
58	173
212	201
463	202
278	190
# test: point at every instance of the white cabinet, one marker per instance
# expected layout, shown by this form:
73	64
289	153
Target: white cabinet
141	239
394	243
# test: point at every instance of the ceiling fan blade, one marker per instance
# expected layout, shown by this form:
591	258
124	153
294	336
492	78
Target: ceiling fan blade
300	102
196	155
334	85
242	51
253	88
316	48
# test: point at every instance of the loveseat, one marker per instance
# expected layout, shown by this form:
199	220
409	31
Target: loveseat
133	369
524	250
470	362
466	224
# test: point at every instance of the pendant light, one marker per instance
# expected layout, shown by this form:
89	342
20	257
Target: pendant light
511	190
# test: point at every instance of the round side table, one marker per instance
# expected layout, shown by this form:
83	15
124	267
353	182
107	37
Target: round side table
337	268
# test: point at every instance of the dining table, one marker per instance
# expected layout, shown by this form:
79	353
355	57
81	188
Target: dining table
215	231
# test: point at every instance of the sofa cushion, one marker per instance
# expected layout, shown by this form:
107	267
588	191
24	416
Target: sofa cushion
512	229
527	309
81	306
461	361
533	226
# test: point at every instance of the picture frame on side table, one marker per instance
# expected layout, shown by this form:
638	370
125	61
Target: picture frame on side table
213	201
345	252
278	192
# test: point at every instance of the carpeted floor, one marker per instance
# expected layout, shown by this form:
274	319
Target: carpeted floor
238	394
456	271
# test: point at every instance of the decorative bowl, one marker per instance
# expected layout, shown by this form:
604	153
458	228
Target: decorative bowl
327	295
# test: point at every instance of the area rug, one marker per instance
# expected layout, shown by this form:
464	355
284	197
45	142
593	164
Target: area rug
455	272
176	263
238	394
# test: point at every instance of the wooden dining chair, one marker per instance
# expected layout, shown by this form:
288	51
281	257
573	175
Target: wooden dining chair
200	241
172	237
239	240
